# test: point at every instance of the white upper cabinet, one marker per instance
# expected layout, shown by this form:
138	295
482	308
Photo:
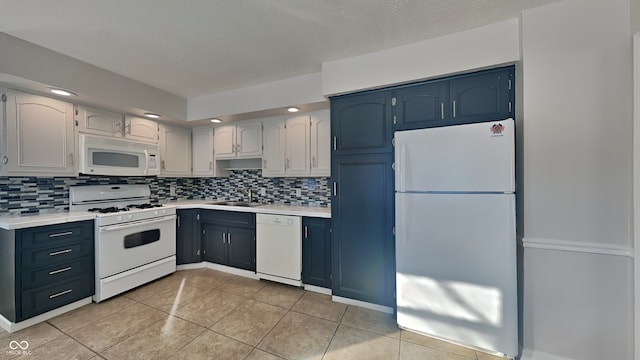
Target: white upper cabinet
273	154
321	143
175	151
202	147
39	138
98	121
140	129
297	145
225	142
240	141
249	139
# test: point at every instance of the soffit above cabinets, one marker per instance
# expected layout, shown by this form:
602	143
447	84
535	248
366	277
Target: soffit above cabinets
196	48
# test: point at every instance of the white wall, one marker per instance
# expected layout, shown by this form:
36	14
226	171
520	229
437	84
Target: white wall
481	47
635	16
24	60
277	94
577	184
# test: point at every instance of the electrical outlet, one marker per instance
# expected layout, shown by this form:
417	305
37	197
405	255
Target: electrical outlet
298	192
263	191
172	190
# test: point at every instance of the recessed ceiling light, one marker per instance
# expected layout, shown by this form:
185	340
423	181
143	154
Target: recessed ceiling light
216	120
152	115
293	109
62	92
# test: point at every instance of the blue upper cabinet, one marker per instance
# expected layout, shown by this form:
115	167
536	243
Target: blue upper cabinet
361	123
482	96
422	105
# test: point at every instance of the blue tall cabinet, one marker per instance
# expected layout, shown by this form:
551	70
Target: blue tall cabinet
362	204
362	176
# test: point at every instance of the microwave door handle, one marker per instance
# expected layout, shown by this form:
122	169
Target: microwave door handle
146	161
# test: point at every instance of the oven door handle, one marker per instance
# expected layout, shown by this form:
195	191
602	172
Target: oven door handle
137	223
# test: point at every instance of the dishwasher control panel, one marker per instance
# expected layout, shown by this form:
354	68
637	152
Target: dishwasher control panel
278	220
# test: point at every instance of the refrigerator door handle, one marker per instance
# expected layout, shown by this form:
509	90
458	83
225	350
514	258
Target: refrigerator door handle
400	158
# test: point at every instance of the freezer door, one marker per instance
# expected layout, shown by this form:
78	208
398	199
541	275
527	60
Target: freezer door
456	268
474	157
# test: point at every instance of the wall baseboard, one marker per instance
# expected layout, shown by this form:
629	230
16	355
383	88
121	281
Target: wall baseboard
578	246
528	354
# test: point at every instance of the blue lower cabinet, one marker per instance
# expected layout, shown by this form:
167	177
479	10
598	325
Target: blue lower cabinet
316	252
229	238
362	212
45	267
188	243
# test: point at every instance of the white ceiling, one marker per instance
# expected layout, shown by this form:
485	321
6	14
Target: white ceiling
198	47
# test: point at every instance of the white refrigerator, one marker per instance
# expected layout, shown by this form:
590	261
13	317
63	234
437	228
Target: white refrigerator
456	275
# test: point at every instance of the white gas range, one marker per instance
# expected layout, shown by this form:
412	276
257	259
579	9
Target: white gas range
135	241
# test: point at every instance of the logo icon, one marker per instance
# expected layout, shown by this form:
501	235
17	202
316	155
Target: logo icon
22	345
497	129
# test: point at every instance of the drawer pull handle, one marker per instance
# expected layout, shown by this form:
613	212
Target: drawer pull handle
61	234
59	271
60	252
60	294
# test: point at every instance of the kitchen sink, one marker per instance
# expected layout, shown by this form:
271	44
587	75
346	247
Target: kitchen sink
235	203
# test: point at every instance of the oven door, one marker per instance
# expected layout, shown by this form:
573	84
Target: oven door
122	247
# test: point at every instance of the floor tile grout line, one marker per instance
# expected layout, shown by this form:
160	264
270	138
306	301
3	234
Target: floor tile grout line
72	338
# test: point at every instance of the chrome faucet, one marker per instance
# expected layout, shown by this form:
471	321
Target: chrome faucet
247	193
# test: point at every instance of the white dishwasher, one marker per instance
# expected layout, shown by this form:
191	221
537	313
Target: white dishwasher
279	248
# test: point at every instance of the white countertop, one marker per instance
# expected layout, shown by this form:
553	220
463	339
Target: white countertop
277	209
12	222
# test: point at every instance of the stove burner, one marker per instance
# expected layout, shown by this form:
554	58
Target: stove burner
144	206
112	209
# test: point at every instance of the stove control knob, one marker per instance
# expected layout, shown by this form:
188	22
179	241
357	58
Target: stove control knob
155	213
129	216
120	218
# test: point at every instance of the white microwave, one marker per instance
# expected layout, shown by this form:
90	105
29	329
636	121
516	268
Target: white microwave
117	157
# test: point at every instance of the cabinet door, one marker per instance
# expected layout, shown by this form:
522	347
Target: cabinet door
422	105
321	144
141	129
362	222
175	151
214	243
273	155
249	140
202	152
39	136
100	122
241	248
483	96
316	252
188	236
297	153
362	123
224	142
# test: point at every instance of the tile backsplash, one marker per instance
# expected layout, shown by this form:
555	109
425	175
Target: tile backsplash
35	194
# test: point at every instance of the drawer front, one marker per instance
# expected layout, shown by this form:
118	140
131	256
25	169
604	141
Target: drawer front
46	298
51	235
57	273
229	217
56	255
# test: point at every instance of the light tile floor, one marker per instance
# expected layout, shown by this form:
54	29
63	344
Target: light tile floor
207	314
